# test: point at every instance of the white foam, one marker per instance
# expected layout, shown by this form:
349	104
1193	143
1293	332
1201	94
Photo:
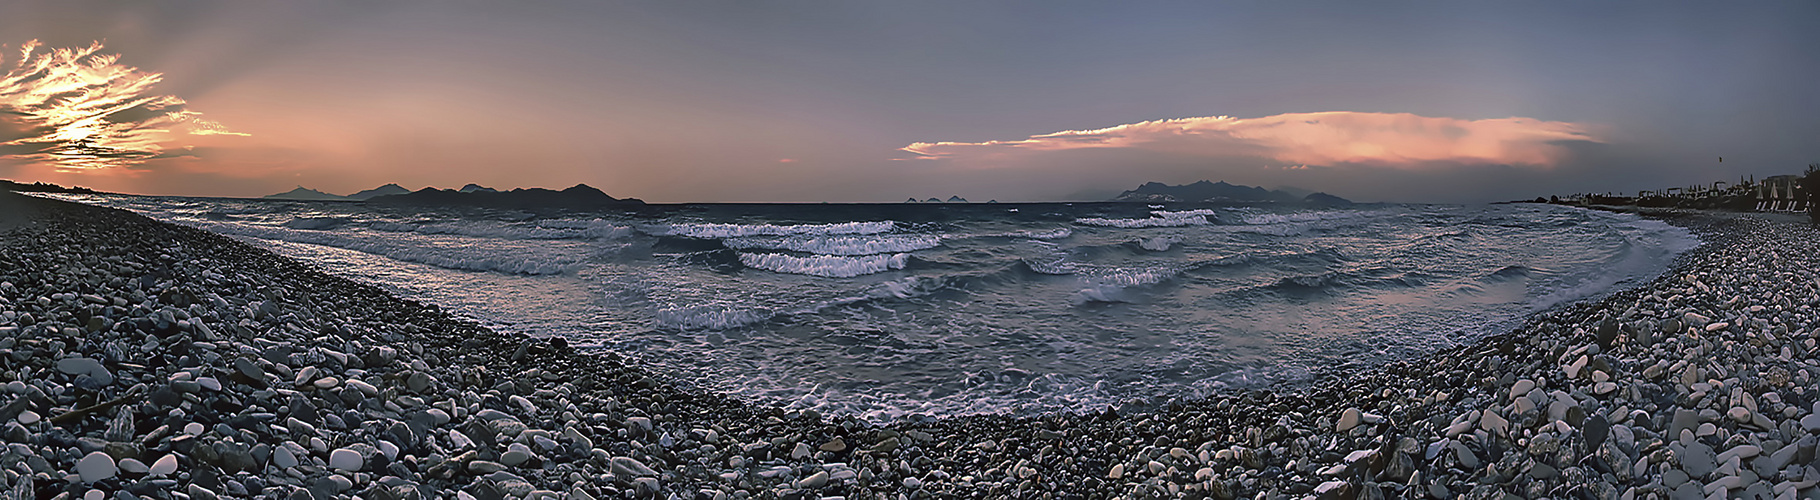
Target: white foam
1158	244
710	317
838	245
1053	234
1057	267
1135	276
1259	219
913	286
507	260
738	230
545	230
824	265
1108	284
1159	219
1186	213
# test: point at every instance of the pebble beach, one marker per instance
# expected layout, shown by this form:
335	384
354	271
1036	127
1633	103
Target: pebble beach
148	360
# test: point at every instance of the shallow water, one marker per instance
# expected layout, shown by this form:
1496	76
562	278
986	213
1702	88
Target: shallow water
886	310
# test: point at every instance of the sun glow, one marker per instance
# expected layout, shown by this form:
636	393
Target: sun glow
78	109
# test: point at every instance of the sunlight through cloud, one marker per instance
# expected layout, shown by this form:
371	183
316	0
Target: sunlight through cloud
78	109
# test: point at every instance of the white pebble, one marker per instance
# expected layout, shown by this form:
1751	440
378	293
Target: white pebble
164	466
96	466
346	459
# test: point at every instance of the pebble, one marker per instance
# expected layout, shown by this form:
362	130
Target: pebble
815	480
631	467
515	454
164	466
283	458
346	459
1699	460
96	466
1491	422
1521	388
397	401
1349	419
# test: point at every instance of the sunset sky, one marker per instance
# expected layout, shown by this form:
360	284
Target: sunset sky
675	101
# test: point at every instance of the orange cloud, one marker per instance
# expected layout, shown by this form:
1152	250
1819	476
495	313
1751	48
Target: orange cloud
1394	140
78	109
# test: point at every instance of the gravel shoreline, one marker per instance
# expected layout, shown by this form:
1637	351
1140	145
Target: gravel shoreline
148	360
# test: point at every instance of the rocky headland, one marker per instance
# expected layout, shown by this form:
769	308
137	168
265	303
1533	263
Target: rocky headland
147	360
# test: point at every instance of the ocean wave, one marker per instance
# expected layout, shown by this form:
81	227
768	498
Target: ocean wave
549	230
466	258
824	265
726	316
1158	244
317	223
1157	219
710	317
1057	267
1053	234
709	230
1125	277
838	245
1259	219
1111	284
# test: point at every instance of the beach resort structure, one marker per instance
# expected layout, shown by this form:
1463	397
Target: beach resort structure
1781	193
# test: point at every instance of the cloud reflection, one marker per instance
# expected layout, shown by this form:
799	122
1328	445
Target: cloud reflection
79	109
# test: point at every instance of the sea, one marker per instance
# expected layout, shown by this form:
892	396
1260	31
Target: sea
906	311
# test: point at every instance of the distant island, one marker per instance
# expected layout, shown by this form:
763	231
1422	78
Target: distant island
580	195
1206	191
43	187
951	199
307	194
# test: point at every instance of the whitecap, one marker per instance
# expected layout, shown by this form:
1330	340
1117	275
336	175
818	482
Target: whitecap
838	245
824	265
706	230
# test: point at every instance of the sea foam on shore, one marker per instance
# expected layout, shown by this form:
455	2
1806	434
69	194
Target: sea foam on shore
166	362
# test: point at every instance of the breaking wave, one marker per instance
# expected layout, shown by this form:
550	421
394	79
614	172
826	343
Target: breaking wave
838	245
464	257
710	230
547	230
824	265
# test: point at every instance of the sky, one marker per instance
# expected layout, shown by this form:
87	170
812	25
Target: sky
875	101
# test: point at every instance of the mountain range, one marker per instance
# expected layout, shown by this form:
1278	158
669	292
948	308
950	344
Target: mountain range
579	195
471	194
307	194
